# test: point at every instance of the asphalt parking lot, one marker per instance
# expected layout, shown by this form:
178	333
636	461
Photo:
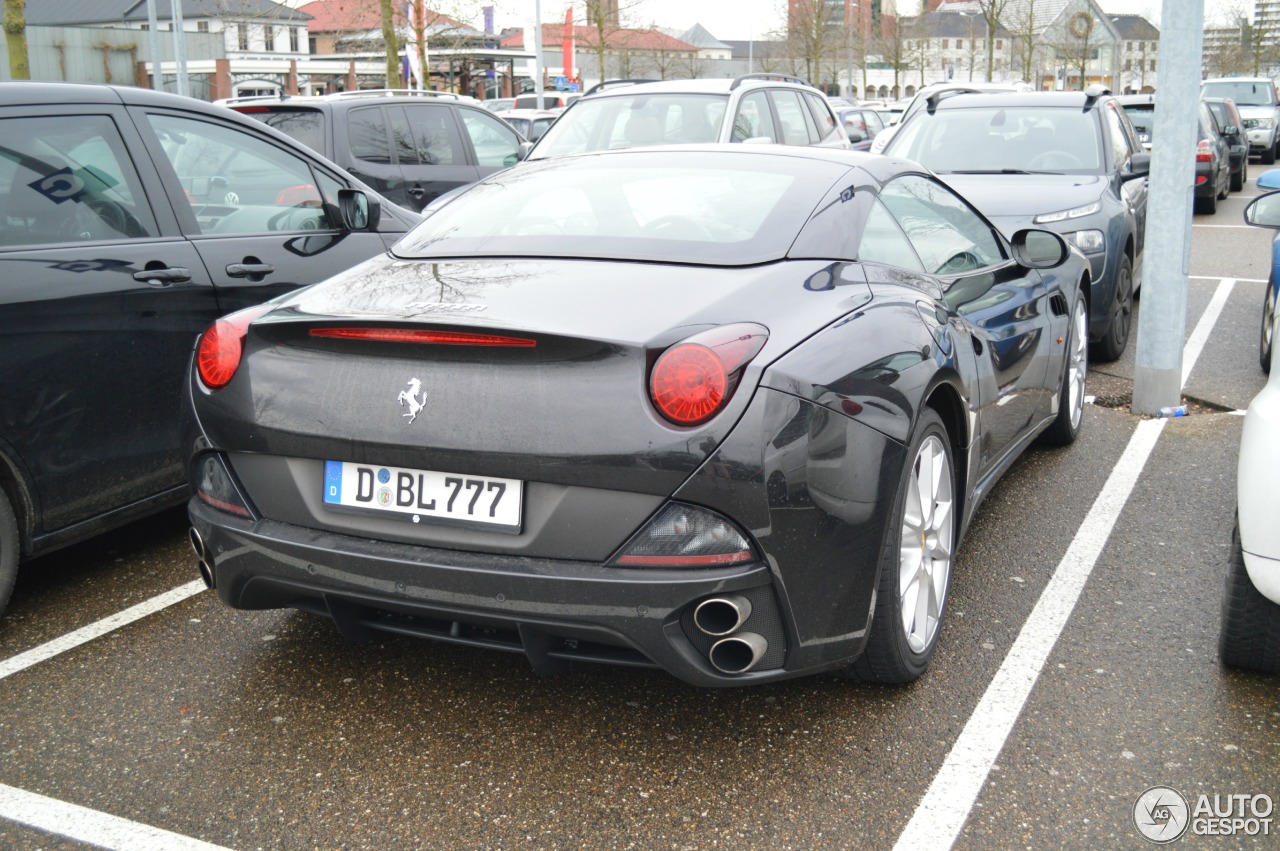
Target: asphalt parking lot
1077	670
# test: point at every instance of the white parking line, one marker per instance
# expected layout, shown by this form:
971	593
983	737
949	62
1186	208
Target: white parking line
105	831
1227	227
72	640
1216	278
941	814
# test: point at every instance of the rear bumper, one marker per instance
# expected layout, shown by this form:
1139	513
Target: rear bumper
1206	180
555	612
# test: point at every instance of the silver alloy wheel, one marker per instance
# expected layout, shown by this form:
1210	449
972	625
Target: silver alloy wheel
1077	364
924	559
1268	323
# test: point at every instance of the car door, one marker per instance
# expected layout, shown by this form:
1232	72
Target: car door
100	300
433	159
260	213
1001	304
363	145
1124	144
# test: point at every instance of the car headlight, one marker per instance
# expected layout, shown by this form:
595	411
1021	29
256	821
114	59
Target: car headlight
1088	241
1264	123
1073	213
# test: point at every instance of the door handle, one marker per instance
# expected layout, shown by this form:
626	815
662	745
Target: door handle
250	270
416	191
163	277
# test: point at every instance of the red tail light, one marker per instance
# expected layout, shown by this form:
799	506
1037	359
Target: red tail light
420	335
1204	152
222	344
694	379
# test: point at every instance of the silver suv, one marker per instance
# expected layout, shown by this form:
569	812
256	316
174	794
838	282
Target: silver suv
755	108
1259	107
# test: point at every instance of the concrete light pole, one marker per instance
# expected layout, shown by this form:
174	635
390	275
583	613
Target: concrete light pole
1157	379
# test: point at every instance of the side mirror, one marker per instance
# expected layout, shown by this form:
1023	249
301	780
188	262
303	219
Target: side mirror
1264	211
1139	166
1039	249
1270	179
1231	130
359	212
523	151
855	135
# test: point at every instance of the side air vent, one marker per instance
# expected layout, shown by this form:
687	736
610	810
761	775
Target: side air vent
1058	304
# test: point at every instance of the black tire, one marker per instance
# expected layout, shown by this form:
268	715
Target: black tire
889	657
1267	333
1208	206
1116	337
9	546
1226	186
1249	636
1066	426
1269	156
1238	179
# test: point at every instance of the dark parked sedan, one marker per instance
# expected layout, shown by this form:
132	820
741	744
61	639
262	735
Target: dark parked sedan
1069	161
723	411
131	219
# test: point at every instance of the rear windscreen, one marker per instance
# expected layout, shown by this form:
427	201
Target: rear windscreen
704	207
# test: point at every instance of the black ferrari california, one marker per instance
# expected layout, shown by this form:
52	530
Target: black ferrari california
721	411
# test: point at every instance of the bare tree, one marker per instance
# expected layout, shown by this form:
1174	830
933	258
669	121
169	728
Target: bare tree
992	10
602	25
663	59
393	43
15	39
812	34
1024	21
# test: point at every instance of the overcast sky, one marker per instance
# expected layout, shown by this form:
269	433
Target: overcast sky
745	19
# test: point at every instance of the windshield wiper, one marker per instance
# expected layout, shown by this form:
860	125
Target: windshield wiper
1001	171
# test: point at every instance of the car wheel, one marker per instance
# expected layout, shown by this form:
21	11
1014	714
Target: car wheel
1074	371
1238	179
915	567
1116	337
1226	184
9	545
1207	205
1249	635
1269	156
1268	328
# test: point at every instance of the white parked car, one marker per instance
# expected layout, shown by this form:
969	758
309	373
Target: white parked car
922	96
1250	632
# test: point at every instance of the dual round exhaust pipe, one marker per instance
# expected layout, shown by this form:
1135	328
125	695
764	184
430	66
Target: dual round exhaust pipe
721	617
202	556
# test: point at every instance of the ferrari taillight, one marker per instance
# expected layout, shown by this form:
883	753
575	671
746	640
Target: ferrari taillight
693	380
221	346
686	536
1204	153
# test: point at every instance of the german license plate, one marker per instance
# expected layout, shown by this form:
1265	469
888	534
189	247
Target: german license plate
424	495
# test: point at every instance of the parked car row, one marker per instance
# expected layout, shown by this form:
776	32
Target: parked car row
990	207
1221	156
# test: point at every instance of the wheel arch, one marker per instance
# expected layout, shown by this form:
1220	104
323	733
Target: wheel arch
945	400
14	485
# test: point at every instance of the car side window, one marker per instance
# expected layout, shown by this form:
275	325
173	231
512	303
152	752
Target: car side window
238	183
797	121
822	116
947	234
367	135
494	142
754	119
68	180
1119	140
435	136
884	242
